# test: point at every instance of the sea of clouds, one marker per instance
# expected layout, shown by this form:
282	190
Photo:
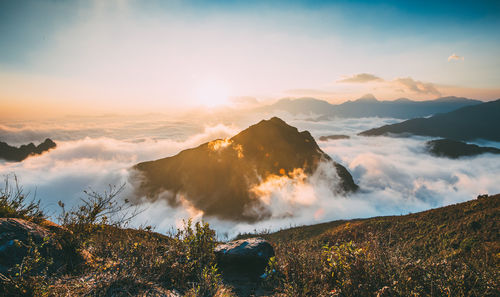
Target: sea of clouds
396	175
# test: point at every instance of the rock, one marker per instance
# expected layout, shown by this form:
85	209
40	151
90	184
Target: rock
245	256
15	237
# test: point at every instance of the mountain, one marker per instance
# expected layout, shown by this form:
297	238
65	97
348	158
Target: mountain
217	177
456	149
481	121
369	106
17	154
402	108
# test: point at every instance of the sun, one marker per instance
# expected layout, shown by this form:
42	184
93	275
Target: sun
212	93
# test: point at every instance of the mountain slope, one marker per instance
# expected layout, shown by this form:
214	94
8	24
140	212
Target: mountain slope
448	251
480	121
218	177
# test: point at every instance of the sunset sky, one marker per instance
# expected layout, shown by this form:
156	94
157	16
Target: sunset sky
67	57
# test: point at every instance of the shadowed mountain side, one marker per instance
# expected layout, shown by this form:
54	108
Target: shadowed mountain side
217	177
369	106
456	149
480	121
17	154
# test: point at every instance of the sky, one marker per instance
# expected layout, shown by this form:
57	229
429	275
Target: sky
86	57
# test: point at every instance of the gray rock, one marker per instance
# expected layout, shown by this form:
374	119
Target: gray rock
15	237
248	256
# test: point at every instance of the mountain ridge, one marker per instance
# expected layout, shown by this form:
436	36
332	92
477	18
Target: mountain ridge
18	154
369	106
480	121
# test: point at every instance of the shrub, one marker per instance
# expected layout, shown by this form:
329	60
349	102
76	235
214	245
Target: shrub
14	203
28	278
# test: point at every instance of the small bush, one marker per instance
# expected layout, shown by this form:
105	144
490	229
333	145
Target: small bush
14	203
29	278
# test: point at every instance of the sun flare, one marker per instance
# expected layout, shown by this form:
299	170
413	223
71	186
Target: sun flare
212	93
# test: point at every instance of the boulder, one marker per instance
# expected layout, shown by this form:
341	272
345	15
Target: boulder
245	256
17	235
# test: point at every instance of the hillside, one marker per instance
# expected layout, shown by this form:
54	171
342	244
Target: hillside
480	121
369	106
218	177
448	251
476	218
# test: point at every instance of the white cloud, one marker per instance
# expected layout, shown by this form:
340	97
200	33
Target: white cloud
415	86
396	176
455	57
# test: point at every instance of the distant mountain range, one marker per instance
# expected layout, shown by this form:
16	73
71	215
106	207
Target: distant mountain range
17	154
481	121
369	106
217	177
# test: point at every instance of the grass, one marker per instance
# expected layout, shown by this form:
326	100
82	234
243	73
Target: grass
450	251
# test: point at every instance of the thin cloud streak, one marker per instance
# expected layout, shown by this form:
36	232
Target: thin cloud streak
455	57
361	78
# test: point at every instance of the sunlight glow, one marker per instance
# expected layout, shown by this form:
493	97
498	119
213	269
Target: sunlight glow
212	93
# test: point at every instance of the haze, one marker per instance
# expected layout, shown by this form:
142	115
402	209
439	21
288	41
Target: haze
93	57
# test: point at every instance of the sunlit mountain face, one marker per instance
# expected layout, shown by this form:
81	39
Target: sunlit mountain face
251	115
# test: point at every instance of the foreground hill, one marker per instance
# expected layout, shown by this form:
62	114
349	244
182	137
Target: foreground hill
17	154
448	251
456	149
480	121
218	177
369	106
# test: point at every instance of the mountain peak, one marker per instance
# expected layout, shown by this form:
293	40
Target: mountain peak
403	100
367	98
219	177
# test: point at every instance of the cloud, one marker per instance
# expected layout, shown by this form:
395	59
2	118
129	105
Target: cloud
63	173
396	175
415	86
455	57
360	78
